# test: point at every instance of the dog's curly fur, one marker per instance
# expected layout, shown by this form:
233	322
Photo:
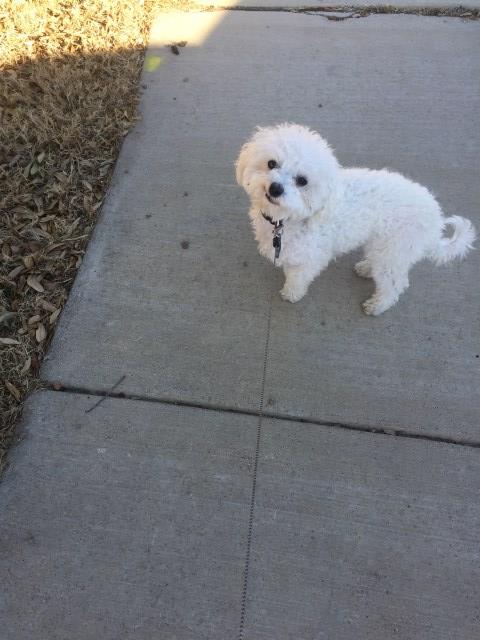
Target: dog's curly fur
396	221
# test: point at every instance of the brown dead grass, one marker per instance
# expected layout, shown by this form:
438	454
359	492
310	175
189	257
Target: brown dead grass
69	76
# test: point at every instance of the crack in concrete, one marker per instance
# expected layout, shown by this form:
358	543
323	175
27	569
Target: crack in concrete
386	431
354	11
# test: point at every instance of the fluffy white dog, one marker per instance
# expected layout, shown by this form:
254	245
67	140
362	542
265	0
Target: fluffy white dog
298	188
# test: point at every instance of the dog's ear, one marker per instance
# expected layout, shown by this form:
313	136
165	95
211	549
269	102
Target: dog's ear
247	153
242	161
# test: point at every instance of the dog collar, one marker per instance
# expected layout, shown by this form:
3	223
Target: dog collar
277	233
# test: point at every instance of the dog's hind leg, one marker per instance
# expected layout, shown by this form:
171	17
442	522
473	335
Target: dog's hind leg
363	268
390	260
389	268
388	287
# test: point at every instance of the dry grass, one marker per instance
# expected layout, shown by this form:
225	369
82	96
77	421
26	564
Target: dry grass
69	75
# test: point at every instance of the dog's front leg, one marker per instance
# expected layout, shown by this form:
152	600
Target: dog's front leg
297	281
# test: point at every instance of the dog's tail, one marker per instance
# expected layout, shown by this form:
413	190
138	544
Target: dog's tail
459	244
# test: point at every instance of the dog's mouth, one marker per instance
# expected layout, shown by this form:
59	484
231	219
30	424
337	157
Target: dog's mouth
271	200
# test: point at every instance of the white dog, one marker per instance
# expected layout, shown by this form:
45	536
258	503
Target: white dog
298	188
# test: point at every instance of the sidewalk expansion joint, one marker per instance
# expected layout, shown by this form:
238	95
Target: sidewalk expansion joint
353	12
281	417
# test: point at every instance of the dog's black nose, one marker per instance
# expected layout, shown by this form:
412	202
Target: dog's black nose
275	190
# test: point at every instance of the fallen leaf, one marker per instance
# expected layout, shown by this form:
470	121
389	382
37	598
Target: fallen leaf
151	63
26	171
29	262
15	272
13	390
40	333
8	341
54	246
26	366
34	283
48	306
54	316
33	320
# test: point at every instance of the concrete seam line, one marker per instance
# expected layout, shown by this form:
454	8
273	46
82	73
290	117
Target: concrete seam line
281	417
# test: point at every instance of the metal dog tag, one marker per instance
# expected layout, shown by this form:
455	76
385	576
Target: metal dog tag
277	238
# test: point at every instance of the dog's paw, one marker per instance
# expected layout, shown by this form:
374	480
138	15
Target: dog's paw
292	295
374	306
363	269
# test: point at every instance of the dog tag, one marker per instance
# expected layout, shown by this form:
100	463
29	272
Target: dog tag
277	238
277	245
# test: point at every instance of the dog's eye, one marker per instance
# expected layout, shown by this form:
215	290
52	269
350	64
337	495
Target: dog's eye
272	164
301	181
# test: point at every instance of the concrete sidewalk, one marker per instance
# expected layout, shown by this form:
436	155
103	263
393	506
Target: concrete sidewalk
171	509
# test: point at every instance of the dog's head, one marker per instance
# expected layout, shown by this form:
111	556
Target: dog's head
288	171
